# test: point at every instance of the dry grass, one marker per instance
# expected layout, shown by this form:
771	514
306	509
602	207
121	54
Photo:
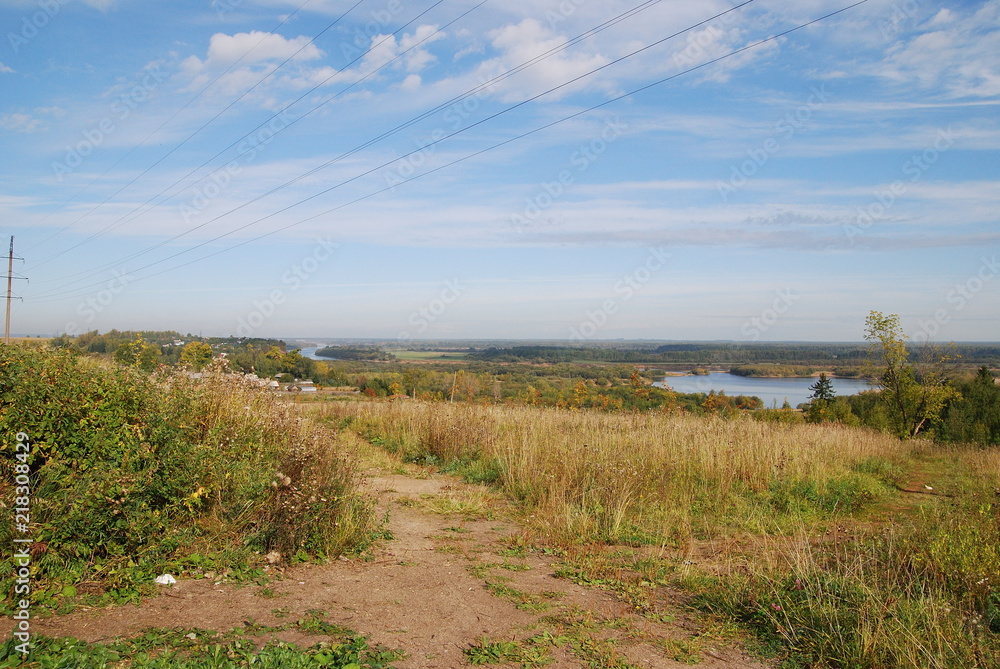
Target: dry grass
645	477
911	583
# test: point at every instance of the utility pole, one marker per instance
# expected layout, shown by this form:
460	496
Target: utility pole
10	294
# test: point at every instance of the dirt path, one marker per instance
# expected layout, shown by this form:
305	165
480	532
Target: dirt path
442	583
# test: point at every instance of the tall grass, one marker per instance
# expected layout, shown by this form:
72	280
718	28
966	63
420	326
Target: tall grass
914	584
640	477
132	475
920	592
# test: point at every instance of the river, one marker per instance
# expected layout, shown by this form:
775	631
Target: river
771	391
311	353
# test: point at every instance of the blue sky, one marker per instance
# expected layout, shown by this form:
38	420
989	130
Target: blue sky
329	169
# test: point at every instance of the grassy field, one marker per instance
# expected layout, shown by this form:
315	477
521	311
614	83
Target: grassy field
828	546
827	560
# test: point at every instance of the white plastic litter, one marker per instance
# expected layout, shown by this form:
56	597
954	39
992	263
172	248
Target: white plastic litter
165	579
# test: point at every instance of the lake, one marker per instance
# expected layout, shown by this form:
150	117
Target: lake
771	391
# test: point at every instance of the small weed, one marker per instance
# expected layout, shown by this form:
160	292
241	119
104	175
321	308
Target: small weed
505	591
523	600
313	623
513	551
197	649
600	653
492	652
480	571
681	650
507	652
551	639
513	566
535	607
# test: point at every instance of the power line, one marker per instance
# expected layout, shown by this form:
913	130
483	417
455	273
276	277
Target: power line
476	153
459	98
435	142
488	84
162	125
121	220
169	153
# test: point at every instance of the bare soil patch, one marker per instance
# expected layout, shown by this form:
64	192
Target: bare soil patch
446	580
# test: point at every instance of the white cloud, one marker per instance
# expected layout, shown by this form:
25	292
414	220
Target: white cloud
943	17
385	48
58	112
23	123
258	47
714	41
103	5
529	39
5	70
411	83
420	58
958	55
257	53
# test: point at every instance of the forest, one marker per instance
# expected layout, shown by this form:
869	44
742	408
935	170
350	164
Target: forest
965	406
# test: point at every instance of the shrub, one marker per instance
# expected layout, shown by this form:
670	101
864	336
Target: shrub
131	474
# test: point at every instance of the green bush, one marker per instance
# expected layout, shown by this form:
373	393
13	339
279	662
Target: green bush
131	473
847	494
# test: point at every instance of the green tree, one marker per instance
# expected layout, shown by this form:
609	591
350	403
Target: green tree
974	416
822	389
196	354
914	398
137	353
822	395
295	364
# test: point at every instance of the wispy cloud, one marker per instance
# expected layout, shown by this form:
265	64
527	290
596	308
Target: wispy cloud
956	52
23	123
